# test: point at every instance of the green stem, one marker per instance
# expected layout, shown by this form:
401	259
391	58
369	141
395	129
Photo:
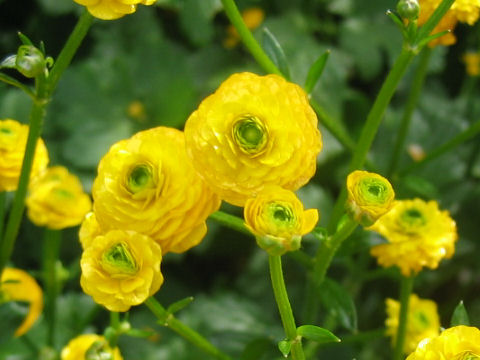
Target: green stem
252	45
371	126
469	133
405	291
286	314
69	50
44	87
417	85
51	245
187	333
231	221
3	211
323	259
115	325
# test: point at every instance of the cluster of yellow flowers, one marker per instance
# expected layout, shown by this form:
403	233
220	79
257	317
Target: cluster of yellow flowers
422	321
465	11
419	235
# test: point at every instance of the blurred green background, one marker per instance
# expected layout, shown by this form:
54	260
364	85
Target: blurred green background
154	67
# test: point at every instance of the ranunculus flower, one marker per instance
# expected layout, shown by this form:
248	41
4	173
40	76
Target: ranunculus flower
112	9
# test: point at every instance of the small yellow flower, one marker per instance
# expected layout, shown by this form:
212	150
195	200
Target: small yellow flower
419	234
252	17
13	139
147	184
91	345
422	321
112	9
254	131
456	343
466	11
121	269
18	285
277	219
56	199
472	63
369	196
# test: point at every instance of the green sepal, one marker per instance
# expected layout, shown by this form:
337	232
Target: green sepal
316	71
460	315
317	334
275	52
179	305
24	39
285	346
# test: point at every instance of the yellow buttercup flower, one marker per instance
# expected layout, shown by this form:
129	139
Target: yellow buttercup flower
112	9
456	343
18	285
369	196
56	199
472	63
277	219
419	235
254	131
89	346
121	269
422	321
147	184
252	17
466	11
89	230
13	139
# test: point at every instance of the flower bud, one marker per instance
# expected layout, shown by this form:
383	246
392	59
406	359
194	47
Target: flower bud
369	196
30	61
408	9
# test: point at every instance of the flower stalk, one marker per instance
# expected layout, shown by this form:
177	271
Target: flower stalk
286	314
405	291
169	320
3	211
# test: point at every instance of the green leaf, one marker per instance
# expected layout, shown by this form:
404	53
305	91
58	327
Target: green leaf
460	315
317	334
316	70
256	348
339	303
179	305
285	346
275	52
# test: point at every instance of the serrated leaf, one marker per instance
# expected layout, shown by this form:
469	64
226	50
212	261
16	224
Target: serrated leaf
255	349
316	71
460	315
179	305
9	62
317	334
285	346
140	333
339	303
274	50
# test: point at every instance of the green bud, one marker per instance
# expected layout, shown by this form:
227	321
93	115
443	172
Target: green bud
30	61
408	9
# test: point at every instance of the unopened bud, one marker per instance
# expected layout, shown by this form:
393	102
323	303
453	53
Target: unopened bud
408	9
30	61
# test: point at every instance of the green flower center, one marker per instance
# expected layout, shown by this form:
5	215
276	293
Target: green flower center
281	214
140	178
467	355
119	260
6	131
250	134
374	190
412	218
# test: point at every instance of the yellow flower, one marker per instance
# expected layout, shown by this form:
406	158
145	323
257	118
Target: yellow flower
466	11
457	343
112	9
147	184
56	199
13	139
277	219
369	196
89	230
18	285
472	63
252	17
89	345
121	269
252	132
419	234
422	321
